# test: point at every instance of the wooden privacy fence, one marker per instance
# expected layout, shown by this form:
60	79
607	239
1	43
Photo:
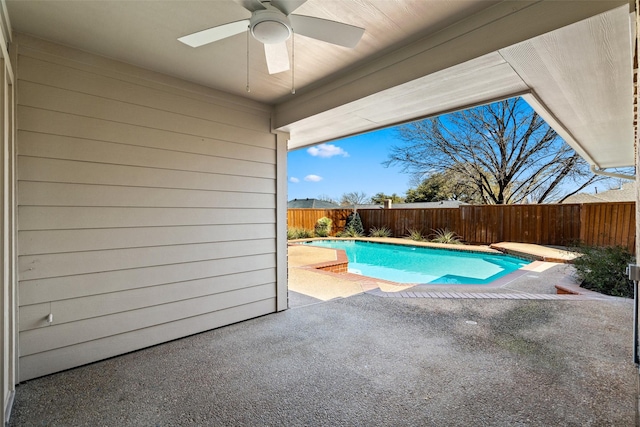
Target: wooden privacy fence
307	218
604	224
400	221
608	224
540	224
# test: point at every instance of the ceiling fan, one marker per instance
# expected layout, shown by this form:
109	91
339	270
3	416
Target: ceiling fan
272	23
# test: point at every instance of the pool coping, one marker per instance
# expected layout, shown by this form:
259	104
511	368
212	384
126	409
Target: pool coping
407	242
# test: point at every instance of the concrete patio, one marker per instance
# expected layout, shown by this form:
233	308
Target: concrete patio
351	358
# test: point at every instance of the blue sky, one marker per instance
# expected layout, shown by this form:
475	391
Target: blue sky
346	165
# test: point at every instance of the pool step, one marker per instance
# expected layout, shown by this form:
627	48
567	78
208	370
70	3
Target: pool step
476	295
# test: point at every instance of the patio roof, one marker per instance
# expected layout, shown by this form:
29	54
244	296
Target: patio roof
571	60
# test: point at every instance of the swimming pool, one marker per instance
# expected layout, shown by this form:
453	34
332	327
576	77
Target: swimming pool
415	264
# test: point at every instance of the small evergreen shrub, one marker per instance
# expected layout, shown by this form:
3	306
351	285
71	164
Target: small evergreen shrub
416	235
353	226
323	227
379	232
602	269
444	235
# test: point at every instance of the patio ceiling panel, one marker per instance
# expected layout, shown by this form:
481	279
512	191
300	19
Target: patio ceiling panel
582	76
431	95
486	78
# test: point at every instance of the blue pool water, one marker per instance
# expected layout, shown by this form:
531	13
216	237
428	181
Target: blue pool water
412	264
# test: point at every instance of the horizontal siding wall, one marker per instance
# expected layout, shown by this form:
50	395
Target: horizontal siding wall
146	208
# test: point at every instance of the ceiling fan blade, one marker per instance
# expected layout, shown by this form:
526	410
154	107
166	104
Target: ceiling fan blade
216	33
287	6
277	57
328	31
250	5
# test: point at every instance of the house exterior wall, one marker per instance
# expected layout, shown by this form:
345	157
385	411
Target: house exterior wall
636	121
147	208
8	296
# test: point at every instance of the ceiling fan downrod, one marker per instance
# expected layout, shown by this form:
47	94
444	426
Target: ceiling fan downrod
248	88
293	64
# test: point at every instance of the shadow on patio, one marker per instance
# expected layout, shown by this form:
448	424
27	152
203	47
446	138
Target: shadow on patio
366	360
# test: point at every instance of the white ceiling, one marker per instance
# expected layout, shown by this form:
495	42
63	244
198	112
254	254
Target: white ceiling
145	33
417	58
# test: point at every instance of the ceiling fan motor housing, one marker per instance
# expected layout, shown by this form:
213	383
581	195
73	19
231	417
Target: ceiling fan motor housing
270	26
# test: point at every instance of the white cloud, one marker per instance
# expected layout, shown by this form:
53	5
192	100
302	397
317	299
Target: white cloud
313	178
294	179
326	151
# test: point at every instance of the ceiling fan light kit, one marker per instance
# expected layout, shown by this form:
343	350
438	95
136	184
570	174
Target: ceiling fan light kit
270	27
272	24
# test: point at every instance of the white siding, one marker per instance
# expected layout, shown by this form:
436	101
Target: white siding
146	208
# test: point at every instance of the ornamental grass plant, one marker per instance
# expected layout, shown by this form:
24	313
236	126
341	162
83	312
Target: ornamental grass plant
379	232
444	235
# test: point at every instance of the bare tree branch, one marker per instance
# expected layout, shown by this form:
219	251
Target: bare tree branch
504	150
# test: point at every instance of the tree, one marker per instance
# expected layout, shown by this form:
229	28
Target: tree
504	151
449	185
431	189
379	198
354	198
353	226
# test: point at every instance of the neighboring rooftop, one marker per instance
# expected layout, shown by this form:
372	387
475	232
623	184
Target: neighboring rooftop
626	193
441	204
420	205
322	204
311	204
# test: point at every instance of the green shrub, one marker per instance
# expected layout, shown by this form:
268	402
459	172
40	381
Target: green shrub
353	226
350	232
323	227
416	235
379	232
602	269
444	235
298	233
291	233
303	233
